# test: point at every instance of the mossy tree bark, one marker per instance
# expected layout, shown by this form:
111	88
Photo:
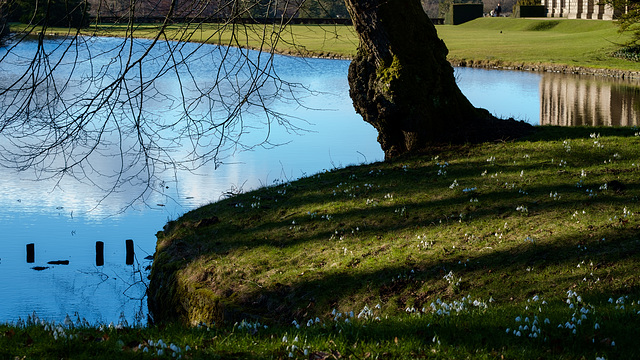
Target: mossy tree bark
402	83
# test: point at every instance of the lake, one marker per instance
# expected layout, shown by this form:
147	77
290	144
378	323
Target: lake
64	219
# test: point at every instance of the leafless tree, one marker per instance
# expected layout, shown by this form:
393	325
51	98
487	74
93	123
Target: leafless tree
76	107
90	108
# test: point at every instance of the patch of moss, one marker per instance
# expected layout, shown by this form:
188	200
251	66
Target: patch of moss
387	74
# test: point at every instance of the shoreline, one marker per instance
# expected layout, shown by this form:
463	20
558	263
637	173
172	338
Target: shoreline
551	68
501	65
495	64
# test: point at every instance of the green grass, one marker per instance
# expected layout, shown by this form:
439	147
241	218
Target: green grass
430	256
492	235
586	43
305	40
601	330
484	41
537	228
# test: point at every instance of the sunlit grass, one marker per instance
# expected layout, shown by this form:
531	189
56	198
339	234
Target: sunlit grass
521	250
507	41
499	228
489	41
574	328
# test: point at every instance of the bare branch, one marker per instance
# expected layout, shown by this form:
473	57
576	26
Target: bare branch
118	111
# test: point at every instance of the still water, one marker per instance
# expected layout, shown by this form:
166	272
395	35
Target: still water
64	220
552	98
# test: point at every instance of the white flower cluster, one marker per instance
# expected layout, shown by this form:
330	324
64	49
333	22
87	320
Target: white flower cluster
294	349
534	331
160	348
442	168
252	326
529	327
424	243
451	279
440	307
347	189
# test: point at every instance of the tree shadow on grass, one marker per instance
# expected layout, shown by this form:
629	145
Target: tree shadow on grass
515	270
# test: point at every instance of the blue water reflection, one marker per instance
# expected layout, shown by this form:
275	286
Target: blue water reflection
65	219
505	94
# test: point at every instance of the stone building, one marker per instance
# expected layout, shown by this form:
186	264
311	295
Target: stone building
579	9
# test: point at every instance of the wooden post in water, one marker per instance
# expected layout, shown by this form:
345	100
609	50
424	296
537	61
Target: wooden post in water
31	253
99	253
130	253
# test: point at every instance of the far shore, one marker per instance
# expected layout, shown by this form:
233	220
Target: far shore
543	44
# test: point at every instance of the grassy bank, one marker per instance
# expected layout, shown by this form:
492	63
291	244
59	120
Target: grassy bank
491	230
519	250
484	41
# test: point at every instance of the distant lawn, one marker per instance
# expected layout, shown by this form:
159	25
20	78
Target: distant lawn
487	41
304	40
585	43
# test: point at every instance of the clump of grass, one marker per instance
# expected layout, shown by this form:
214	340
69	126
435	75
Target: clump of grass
631	53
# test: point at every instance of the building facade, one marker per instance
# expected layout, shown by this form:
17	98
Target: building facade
579	9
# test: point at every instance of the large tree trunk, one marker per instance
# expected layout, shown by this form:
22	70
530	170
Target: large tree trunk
402	83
